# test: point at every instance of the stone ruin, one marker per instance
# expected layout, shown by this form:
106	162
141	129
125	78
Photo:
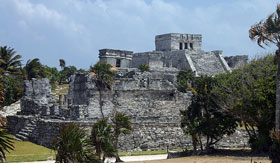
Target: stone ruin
149	98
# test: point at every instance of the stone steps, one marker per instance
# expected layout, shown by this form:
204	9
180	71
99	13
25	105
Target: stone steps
26	132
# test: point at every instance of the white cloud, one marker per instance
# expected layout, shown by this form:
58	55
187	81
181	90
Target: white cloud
76	29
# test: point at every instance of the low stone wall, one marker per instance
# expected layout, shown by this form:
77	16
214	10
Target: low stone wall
146	136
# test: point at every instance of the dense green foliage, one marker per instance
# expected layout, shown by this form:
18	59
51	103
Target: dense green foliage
265	32
103	74
245	95
249	94
6	143
204	118
33	69
121	125
104	78
72	145
102	138
13	75
144	67
11	80
185	80
9	62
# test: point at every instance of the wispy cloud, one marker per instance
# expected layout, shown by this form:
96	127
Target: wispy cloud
76	29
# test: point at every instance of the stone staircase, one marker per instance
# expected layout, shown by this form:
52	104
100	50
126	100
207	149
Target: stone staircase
25	133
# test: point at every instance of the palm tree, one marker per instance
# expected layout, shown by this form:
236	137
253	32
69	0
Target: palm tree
72	145
9	62
144	67
33	69
62	63
266	32
6	143
102	138
104	78
122	125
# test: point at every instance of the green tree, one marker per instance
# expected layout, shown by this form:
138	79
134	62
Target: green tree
9	62
185	80
144	67
102	138
121	125
72	145
66	73
104	78
248	93
62	63
34	69
265	32
204	117
6	143
13	88
53	75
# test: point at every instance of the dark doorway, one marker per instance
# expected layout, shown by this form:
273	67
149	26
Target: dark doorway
191	45
118	63
181	46
186	46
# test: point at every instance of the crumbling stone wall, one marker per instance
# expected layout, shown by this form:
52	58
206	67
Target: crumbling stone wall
236	61
150	98
37	98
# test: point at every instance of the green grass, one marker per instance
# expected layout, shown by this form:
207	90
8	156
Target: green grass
26	151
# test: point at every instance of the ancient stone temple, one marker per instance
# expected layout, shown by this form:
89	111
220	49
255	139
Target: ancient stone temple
149	98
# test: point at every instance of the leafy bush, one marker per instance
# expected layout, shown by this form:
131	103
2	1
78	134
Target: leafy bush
72	145
203	118
249	94
274	152
144	67
102	138
6	143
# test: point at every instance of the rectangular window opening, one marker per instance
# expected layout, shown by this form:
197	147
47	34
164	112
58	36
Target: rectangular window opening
181	46
118	63
191	45
186	45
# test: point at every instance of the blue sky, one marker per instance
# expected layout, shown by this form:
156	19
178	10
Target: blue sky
76	29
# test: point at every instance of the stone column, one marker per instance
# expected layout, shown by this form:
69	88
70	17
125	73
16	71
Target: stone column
61	100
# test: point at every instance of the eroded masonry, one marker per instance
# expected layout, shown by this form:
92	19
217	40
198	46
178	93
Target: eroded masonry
150	98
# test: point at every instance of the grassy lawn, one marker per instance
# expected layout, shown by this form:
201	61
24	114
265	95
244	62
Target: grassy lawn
26	151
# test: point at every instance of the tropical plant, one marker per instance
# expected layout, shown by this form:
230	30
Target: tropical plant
104	78
53	75
9	62
6	143
144	67
204	117
102	138
121	125
66	73
265	32
248	93
185	80
72	145
13	88
34	69
62	63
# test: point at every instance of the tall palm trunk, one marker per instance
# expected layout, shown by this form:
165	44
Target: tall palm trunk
101	102
277	111
118	159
